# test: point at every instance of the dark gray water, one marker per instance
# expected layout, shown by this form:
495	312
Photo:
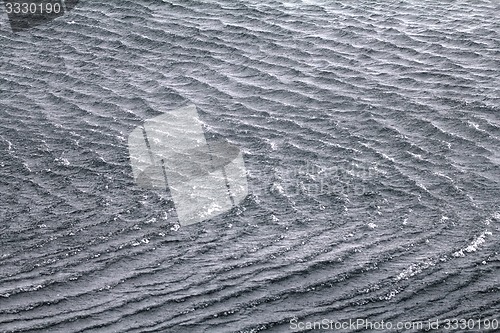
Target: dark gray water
371	137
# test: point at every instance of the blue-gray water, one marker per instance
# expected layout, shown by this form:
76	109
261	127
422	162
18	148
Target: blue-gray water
371	137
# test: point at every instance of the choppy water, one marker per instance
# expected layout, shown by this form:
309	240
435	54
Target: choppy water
371	136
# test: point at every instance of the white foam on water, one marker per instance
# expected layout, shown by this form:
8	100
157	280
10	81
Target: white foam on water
414	269
417	156
277	187
474	245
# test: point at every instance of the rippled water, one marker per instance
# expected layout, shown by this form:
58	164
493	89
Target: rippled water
371	137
